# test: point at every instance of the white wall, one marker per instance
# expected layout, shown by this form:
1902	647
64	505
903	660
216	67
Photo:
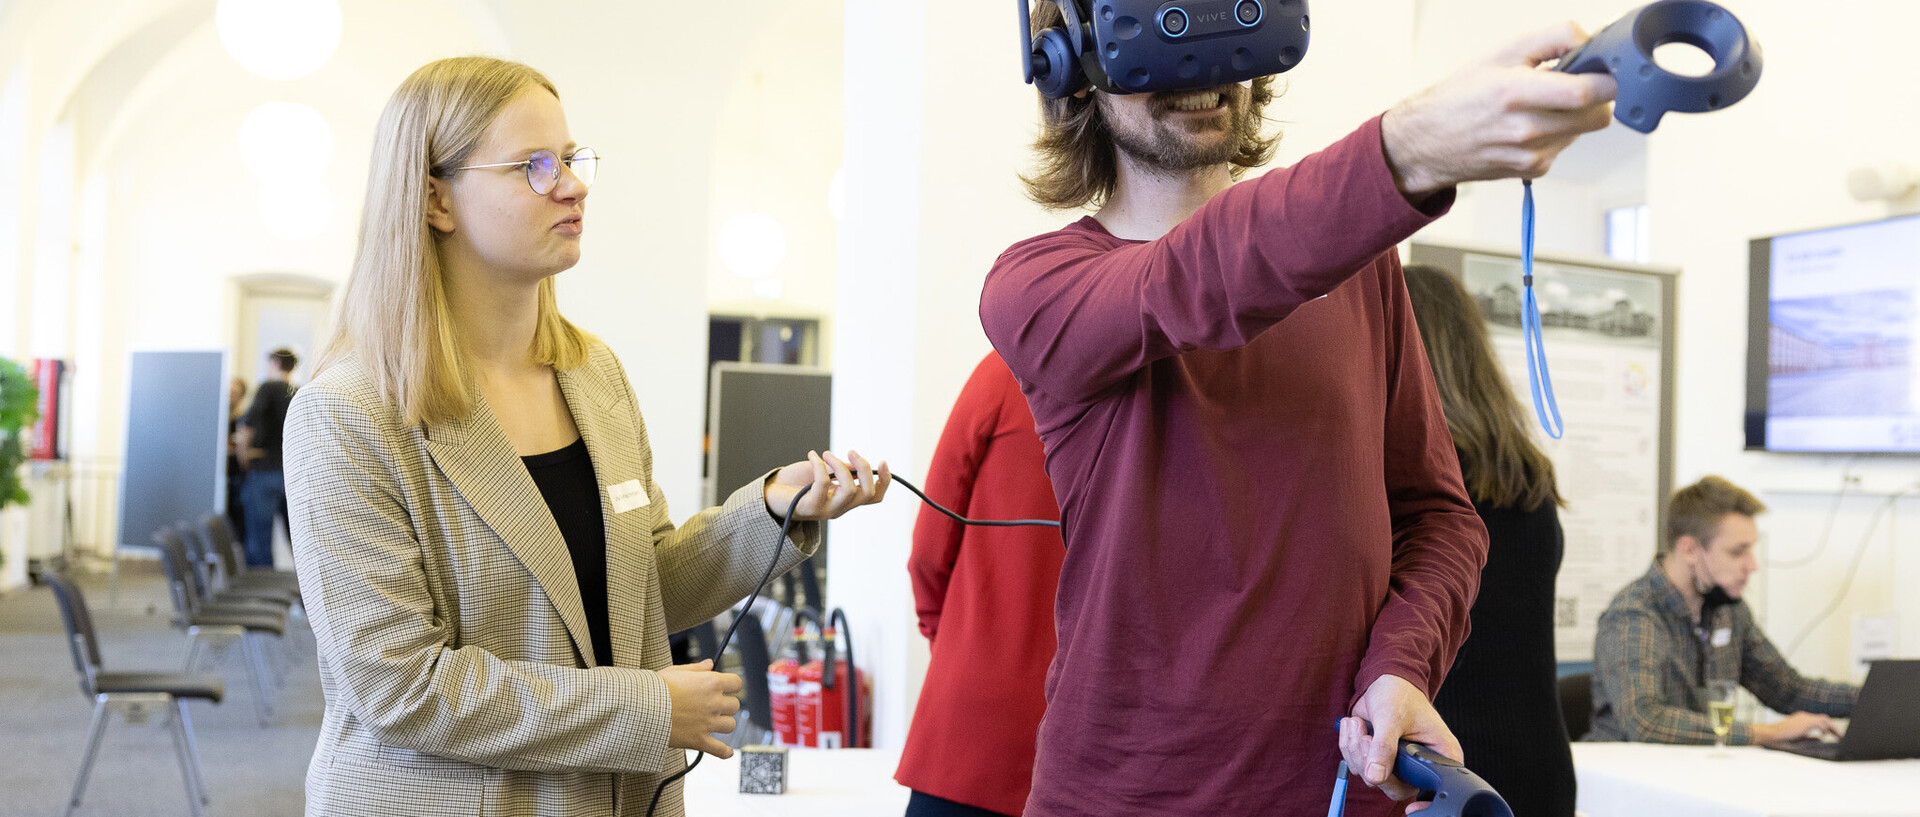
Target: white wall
12	196
1778	162
776	146
173	214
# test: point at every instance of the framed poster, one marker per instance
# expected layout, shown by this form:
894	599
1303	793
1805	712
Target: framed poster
1609	337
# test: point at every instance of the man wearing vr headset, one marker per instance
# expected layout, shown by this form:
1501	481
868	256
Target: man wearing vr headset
1267	530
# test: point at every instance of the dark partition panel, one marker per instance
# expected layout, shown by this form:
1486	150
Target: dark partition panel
763	416
174	467
760	417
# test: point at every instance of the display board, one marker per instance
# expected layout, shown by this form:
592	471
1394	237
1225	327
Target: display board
174	468
761	416
1609	336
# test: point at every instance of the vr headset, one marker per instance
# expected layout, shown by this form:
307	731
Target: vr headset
1142	46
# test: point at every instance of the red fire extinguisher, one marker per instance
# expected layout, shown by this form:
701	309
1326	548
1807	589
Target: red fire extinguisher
829	696
783	679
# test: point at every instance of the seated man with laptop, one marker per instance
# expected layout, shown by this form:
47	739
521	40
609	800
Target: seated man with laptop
1670	632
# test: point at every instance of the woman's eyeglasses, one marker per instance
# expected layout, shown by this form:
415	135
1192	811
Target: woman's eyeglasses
543	168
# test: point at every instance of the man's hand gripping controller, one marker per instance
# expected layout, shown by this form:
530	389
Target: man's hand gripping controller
1452	789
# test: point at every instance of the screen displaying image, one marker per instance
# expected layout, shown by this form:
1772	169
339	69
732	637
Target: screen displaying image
1842	311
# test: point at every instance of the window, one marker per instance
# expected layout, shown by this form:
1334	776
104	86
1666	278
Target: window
1627	238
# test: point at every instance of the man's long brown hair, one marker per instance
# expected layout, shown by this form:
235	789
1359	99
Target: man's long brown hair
1502	466
1077	166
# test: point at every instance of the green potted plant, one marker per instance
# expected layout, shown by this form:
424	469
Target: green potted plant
19	401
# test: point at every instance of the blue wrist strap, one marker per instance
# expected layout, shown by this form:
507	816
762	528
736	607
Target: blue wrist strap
1539	381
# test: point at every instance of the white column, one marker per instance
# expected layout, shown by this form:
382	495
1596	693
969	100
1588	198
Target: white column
876	321
937	130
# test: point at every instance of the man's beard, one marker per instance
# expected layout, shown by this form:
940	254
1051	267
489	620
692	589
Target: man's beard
1169	146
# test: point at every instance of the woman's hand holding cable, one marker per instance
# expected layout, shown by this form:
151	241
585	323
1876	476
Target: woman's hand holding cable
838	486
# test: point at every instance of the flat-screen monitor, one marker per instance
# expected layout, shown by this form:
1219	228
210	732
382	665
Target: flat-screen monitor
1833	315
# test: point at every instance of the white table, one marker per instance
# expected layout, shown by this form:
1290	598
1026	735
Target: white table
823	782
1652	780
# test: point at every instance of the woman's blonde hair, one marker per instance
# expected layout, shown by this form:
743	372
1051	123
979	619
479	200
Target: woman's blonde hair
394	316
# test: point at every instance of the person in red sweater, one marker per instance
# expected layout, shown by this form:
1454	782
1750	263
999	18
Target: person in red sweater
1267	534
985	598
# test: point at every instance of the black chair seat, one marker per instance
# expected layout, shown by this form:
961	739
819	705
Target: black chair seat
272	624
1576	704
273	597
263	579
242	607
177	684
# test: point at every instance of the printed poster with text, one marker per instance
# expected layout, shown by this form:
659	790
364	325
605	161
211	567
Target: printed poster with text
1602	333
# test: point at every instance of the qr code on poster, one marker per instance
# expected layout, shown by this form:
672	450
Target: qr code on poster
1566	611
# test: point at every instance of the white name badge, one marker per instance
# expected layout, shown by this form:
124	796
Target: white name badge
627	495
1722	637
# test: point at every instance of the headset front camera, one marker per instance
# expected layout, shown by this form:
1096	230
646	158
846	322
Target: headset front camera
1174	22
1248	12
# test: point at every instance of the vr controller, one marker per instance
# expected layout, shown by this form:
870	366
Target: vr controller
1647	91
1141	46
1453	790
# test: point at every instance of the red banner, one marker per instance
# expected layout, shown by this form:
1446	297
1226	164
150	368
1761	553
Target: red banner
43	439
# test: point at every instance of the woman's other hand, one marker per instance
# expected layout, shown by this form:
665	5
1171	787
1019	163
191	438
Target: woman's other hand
703	704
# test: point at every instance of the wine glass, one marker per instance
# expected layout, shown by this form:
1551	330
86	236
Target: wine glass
1720	695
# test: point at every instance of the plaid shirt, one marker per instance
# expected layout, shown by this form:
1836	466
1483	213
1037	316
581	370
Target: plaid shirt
1652	662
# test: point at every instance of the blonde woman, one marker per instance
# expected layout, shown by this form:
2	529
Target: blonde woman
489	566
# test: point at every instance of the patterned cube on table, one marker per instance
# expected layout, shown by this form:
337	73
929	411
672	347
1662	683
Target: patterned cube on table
763	770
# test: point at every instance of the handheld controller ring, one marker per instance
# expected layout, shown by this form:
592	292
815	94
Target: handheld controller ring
1648	91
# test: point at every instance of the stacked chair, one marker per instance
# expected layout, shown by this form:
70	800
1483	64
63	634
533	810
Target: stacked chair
132	695
220	618
225	553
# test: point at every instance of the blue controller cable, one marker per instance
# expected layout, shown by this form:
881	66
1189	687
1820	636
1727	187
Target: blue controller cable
1539	381
1338	808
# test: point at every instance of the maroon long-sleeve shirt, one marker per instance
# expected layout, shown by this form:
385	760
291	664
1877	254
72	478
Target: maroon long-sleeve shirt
1261	503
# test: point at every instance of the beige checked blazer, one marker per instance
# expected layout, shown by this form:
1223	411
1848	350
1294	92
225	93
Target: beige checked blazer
454	655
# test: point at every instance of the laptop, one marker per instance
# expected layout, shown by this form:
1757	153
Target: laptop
1885	723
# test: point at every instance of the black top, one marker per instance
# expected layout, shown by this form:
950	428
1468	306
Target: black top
565	478
267	417
1501	698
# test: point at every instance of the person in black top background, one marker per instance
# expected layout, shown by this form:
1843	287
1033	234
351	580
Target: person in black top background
264	494
1500	697
236	471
